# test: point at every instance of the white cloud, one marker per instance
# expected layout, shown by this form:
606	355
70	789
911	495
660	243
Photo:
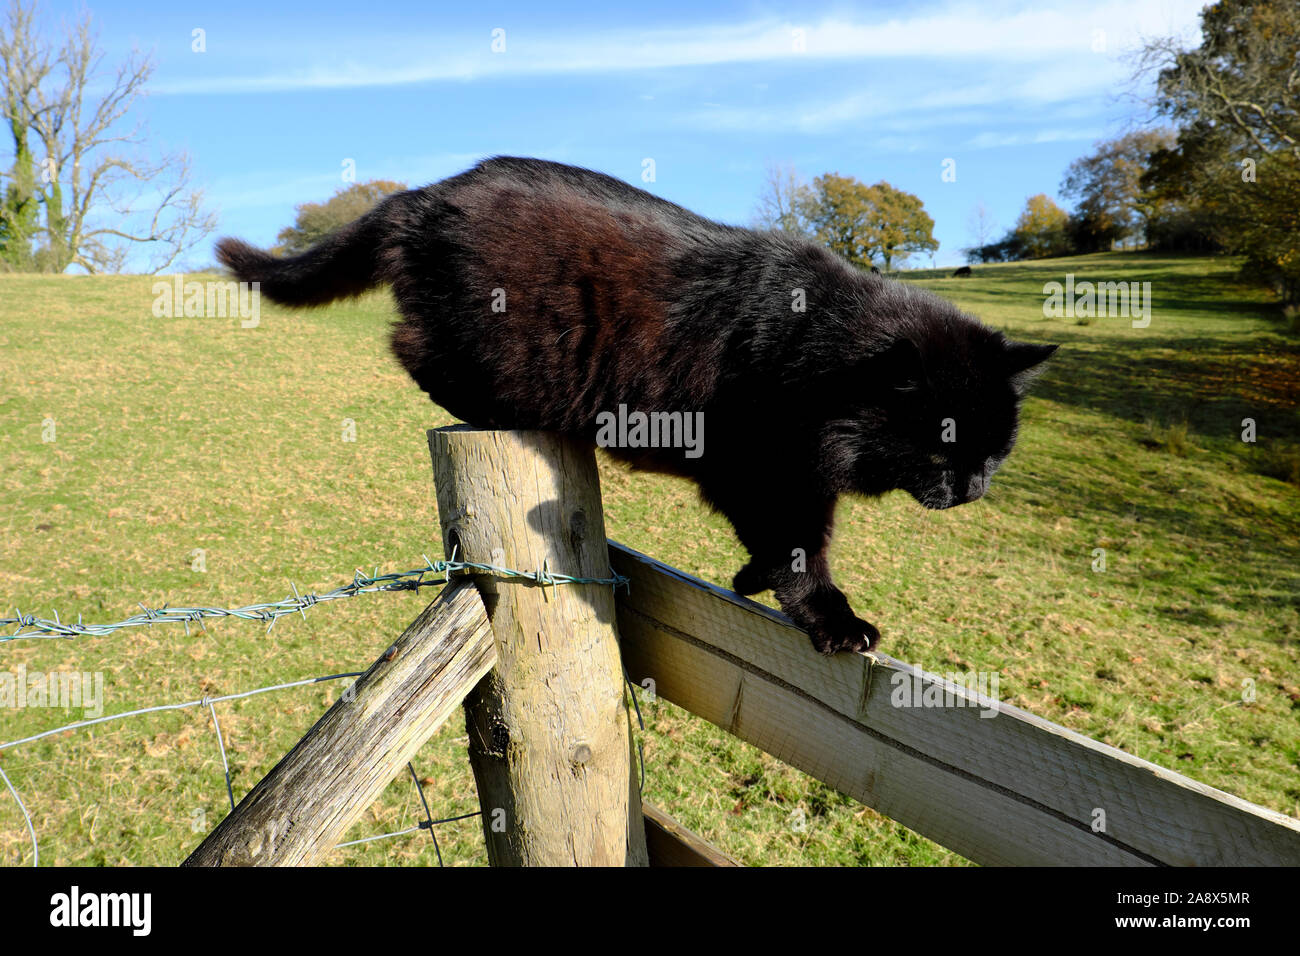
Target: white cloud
1055	87
1009	33
993	140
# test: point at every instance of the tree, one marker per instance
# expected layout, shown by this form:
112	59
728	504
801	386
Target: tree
1112	204
1182	222
785	201
862	223
101	195
314	221
1007	249
1236	100
1041	228
25	67
982	226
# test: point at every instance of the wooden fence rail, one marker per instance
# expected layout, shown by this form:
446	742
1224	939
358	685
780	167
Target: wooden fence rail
1009	788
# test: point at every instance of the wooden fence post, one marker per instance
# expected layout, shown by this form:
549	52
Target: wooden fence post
297	812
549	729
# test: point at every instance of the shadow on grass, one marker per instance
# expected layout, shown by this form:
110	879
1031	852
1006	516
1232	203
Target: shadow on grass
1188	560
1209	383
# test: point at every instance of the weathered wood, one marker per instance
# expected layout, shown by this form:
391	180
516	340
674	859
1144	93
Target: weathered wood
549	728
297	813
671	844
1010	788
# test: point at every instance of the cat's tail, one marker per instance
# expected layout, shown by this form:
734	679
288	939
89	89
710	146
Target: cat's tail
344	263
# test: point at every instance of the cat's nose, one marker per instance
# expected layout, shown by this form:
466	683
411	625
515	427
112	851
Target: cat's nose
976	485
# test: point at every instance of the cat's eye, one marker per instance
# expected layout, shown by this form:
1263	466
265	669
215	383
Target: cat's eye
938	460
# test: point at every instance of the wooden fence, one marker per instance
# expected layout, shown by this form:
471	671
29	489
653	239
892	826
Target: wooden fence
549	728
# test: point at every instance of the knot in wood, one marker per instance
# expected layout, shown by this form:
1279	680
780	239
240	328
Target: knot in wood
500	738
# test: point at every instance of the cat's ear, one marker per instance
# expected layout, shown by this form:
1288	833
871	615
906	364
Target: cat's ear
900	367
1022	362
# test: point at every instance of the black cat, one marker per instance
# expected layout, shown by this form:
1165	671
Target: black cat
538	295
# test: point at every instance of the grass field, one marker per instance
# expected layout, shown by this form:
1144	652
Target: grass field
177	434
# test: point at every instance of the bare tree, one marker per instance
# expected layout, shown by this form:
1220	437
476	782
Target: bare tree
784	202
102	192
25	68
981	225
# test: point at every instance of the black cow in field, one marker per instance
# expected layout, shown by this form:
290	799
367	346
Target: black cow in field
962	273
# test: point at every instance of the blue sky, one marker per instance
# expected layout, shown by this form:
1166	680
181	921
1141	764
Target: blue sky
285	93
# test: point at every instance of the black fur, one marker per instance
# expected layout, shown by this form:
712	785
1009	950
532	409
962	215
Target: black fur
614	296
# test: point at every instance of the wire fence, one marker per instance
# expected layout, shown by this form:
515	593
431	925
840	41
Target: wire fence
428	823
29	626
36	628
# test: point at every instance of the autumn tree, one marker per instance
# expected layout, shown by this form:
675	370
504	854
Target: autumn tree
101	189
1111	201
1183	219
864	223
314	221
1236	101
1041	229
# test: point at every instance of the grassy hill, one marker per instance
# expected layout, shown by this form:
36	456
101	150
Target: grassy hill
178	434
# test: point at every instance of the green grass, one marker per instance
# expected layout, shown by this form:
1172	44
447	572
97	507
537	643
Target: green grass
185	433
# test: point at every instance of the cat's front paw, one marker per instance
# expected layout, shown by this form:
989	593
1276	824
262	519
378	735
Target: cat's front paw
846	632
825	613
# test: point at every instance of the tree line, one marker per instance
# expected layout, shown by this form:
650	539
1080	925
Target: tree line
1223	175
1217	171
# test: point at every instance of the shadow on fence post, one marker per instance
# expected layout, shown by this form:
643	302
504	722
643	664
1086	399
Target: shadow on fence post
549	728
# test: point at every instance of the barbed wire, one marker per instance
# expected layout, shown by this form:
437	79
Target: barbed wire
207	702
31	627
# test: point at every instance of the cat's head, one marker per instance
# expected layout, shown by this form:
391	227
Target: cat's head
938	412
